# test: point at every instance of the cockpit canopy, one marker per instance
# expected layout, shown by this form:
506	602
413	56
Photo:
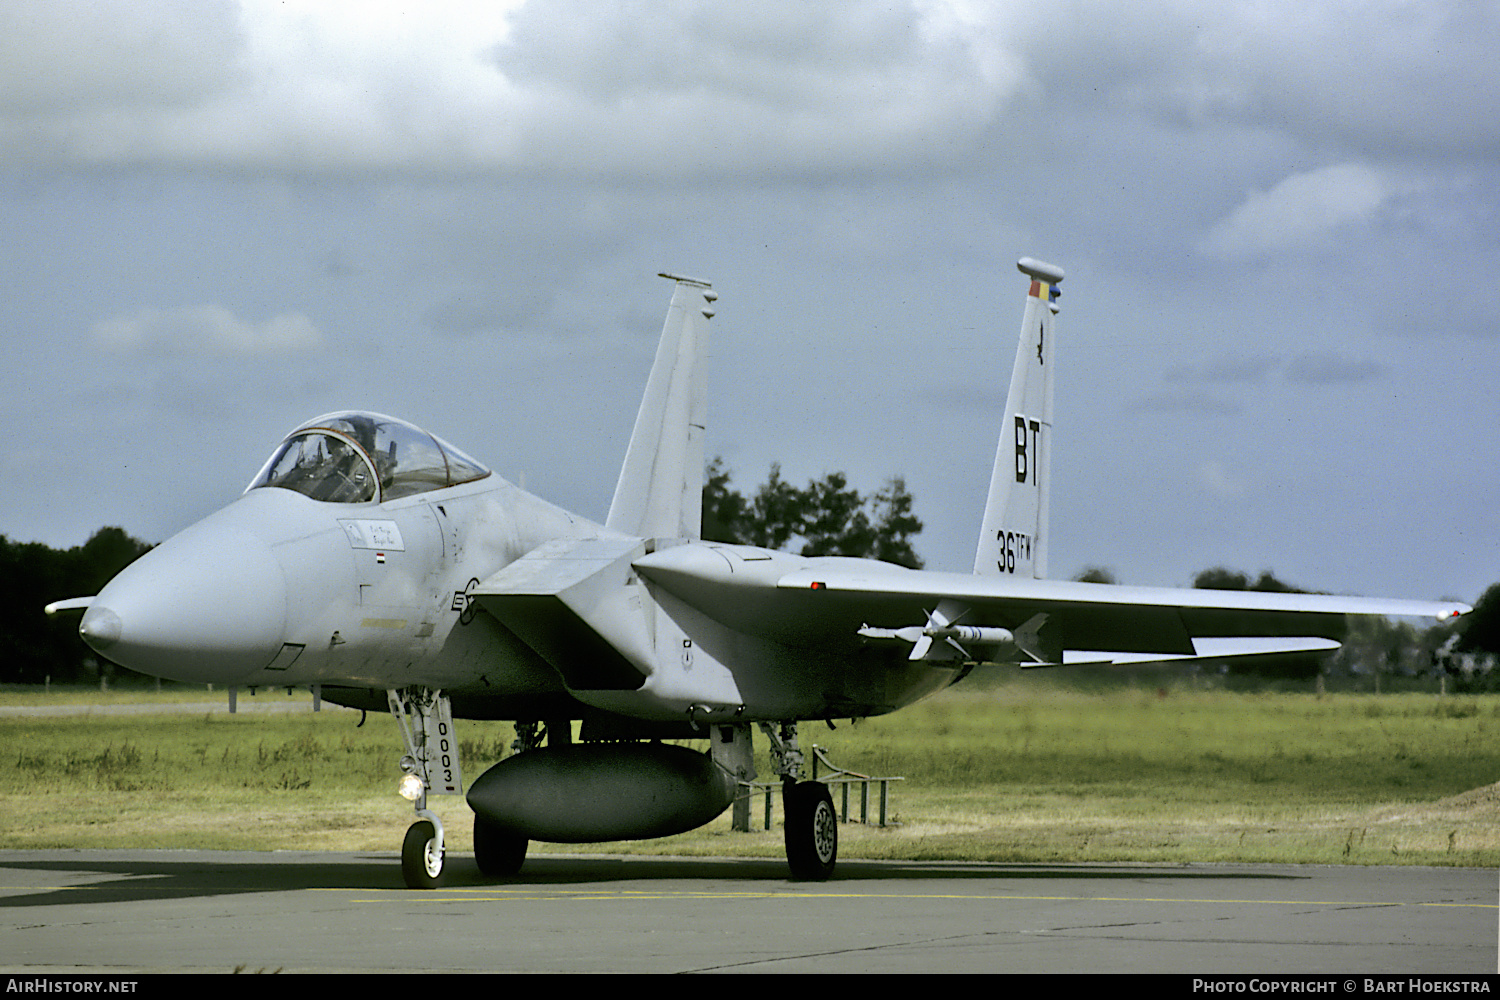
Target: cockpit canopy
357	457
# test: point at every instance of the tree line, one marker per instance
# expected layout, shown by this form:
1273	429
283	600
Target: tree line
33	575
827	517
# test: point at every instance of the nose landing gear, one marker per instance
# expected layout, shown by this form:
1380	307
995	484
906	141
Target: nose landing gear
431	765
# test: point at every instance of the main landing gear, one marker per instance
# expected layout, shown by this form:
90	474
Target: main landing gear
430	765
812	830
500	853
812	827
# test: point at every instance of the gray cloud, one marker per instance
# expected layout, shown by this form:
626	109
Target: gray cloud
687	90
206	329
1247	370
1373	77
1300	210
1382	76
1331	369
1312	368
680	89
637	89
1187	403
94	60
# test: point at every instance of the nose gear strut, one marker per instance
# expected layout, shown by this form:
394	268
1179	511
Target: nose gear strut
430	764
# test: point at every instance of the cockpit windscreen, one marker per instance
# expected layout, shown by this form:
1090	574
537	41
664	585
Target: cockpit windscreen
357	457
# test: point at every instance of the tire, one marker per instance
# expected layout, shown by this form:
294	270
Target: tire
812	831
421	857
498	853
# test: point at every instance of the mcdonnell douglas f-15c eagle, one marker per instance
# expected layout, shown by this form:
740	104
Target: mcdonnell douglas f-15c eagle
392	570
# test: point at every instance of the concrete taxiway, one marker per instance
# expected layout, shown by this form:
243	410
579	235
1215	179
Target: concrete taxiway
204	911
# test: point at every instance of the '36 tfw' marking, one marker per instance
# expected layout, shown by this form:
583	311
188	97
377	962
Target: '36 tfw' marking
1013	546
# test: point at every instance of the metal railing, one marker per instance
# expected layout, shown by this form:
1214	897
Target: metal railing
836	776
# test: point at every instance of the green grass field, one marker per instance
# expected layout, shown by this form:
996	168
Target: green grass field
1020	772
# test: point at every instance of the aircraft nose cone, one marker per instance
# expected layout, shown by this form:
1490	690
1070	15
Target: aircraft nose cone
206	606
100	628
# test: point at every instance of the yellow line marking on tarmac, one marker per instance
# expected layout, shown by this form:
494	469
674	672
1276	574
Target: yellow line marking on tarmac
533	894
481	894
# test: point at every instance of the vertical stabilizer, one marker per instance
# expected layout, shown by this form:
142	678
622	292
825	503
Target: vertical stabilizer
1013	538
660	492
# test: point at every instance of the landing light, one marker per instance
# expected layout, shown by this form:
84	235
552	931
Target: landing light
411	787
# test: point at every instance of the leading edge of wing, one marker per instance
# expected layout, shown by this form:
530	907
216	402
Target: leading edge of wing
832	602
880	578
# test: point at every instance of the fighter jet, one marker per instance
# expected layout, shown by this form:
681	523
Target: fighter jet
383	566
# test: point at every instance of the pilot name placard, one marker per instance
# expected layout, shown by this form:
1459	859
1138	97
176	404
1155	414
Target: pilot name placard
367	533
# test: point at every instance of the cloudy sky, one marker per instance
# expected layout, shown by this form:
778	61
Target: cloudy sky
1280	328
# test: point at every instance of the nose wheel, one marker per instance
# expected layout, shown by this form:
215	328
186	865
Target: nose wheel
422	855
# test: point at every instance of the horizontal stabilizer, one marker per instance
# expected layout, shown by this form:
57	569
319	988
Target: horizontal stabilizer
1240	648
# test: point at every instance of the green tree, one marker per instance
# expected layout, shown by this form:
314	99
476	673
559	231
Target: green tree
1479	630
1222	578
895	524
776	513
827	517
725	512
1476	640
834	521
31	576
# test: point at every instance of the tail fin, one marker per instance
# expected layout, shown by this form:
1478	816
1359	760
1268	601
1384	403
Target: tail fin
660	491
1013	538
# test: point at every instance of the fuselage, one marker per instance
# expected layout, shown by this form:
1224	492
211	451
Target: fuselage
353	560
279	588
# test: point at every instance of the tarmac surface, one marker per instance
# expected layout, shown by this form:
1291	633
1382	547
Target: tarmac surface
214	911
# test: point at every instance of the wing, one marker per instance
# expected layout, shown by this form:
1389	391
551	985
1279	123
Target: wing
841	602
704	632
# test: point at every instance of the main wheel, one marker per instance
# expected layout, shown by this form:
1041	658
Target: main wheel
498	852
422	856
812	830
